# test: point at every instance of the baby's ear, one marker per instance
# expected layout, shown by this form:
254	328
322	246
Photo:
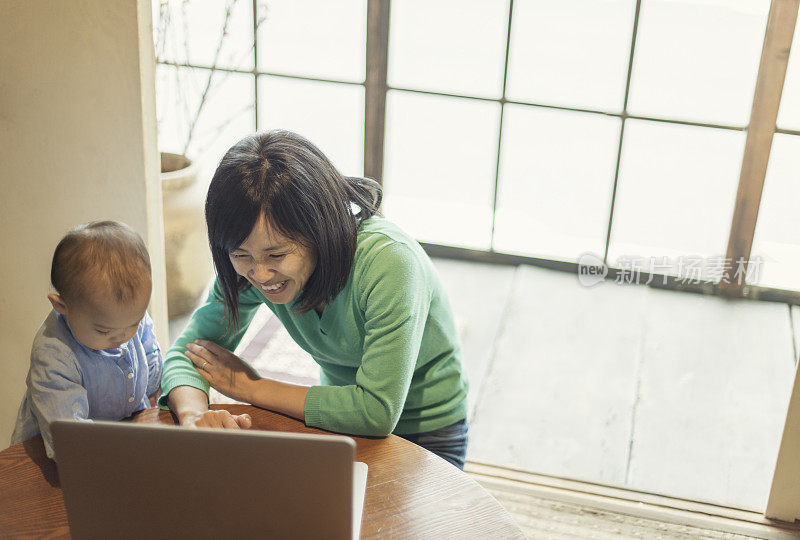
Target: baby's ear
58	303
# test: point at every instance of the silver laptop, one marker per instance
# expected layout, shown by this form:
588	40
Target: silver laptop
123	480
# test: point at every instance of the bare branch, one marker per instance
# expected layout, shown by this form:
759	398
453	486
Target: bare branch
228	11
220	128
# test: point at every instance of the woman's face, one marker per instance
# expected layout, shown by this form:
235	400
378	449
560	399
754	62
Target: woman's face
274	264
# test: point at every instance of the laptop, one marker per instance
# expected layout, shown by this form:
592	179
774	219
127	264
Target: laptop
124	480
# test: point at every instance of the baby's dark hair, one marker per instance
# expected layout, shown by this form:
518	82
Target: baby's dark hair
106	251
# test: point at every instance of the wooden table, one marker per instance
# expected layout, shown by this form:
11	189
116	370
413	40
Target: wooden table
411	493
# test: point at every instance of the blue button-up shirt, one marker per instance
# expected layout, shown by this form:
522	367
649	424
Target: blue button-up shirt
68	380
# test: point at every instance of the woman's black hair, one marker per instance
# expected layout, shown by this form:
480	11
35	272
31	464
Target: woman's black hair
284	176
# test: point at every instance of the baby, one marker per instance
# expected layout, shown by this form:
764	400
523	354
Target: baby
95	356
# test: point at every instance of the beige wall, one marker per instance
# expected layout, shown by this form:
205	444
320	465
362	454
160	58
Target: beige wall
77	143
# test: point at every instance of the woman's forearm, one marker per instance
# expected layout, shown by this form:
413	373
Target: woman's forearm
187	402
237	379
285	398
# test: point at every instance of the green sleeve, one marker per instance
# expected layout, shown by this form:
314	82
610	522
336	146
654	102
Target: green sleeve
208	322
395	296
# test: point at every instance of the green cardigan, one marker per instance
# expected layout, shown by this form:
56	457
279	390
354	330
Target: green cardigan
387	345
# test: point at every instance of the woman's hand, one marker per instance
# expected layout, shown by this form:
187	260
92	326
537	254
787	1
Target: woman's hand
190	405
216	419
223	370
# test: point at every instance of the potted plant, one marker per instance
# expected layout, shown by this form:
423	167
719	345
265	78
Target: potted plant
188	259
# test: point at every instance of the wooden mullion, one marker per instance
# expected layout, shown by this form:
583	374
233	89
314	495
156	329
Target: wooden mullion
763	117
375	86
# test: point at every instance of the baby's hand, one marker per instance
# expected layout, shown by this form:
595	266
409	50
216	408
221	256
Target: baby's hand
154	398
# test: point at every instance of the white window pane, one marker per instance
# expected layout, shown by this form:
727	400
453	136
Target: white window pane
789	113
451	46
697	59
439	167
313	38
571	53
330	115
192	31
676	191
556	178
173	110
226	116
777	238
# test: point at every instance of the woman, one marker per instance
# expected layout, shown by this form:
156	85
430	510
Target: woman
287	230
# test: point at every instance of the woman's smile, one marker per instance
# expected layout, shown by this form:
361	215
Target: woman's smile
275	288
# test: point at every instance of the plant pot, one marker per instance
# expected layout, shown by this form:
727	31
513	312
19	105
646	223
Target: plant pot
188	259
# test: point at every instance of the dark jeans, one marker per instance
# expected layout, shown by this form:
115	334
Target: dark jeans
449	443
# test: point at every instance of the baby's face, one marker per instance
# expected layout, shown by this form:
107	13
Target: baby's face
106	324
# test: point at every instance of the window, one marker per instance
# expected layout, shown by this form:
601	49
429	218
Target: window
535	128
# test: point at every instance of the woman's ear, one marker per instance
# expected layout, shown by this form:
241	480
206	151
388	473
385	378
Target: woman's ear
58	303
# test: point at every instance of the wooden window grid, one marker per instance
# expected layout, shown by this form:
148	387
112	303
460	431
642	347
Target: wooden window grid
760	131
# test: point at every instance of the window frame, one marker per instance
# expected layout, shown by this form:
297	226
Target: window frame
762	126
760	130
